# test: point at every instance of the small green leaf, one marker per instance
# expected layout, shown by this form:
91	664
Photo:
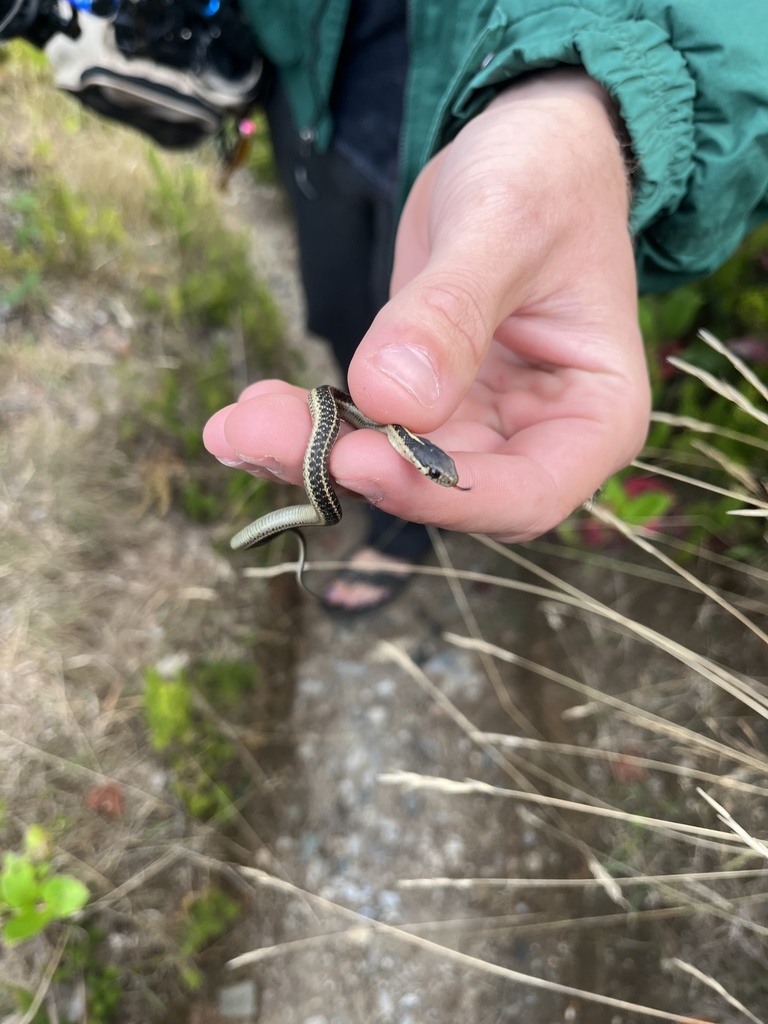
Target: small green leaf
191	977
168	707
37	843
26	925
64	895
612	492
678	310
649	505
19	886
26	288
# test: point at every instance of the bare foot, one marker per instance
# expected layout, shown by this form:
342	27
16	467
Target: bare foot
351	591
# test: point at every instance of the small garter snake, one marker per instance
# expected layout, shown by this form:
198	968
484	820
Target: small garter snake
328	406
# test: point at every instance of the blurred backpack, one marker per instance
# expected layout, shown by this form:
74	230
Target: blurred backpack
175	71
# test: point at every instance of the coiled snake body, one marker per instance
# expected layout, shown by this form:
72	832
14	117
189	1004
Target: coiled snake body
328	406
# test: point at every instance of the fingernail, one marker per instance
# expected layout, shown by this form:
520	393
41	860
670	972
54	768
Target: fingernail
367	489
267	463
413	369
232	463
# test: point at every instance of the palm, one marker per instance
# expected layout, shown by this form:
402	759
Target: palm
511	335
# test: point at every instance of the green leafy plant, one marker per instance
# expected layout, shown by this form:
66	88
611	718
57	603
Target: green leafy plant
82	966
209	293
703	434
214	285
168	708
61	227
202	759
82	962
176	405
32	893
207	917
22	294
637	500
640	501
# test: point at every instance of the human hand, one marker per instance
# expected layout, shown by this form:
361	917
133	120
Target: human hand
511	337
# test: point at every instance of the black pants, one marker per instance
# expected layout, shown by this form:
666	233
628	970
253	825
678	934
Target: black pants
346	229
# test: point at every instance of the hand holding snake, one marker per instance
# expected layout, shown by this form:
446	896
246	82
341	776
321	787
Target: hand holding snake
510	340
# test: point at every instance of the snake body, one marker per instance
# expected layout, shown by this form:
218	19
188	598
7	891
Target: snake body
328	406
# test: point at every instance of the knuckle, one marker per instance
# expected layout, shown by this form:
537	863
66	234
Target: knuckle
456	312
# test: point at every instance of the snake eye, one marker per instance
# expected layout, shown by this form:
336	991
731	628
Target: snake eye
434	474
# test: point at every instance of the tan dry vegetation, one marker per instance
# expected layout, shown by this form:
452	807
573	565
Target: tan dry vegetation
97	583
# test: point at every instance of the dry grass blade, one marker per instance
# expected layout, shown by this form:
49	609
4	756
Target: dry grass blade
631	533
538	924
43	986
392	652
703	427
413	781
559	592
756	513
269	572
645	719
701	484
255	956
139	879
622	882
490	666
754	844
555	825
714	343
395	653
618	566
733	469
635	760
706	979
709	669
372	927
738	568
607	882
612	563
720	387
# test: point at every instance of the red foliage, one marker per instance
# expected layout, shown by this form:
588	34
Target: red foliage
108	799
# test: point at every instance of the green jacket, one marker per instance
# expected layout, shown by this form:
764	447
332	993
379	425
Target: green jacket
690	78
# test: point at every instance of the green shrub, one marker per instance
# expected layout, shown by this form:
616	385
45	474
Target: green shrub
202	759
212	284
732	304
33	893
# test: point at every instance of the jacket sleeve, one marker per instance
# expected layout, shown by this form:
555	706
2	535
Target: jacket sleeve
690	78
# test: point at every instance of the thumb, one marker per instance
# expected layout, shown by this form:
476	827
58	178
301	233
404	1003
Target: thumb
423	351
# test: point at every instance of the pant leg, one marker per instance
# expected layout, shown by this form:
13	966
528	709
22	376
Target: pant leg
346	229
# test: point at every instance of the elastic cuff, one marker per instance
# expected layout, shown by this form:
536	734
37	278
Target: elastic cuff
636	64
